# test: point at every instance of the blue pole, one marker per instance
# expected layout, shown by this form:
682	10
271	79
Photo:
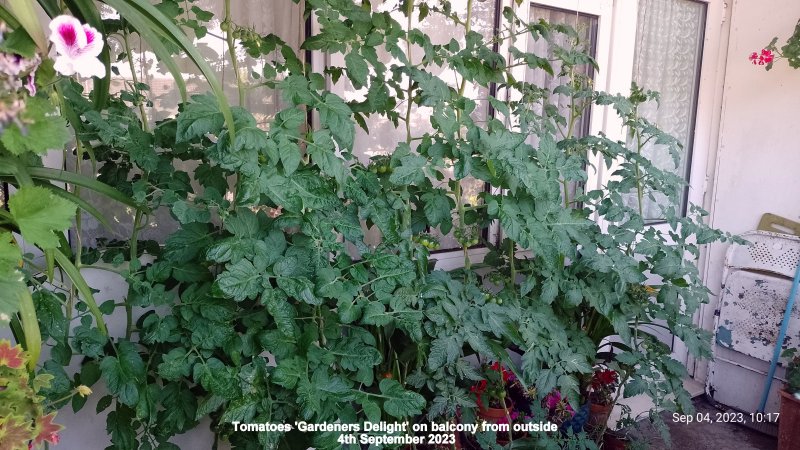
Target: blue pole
781	336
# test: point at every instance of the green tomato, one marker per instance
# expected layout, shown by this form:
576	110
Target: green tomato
382	169
499	301
373	169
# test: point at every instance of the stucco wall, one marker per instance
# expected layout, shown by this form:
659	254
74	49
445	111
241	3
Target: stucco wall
757	162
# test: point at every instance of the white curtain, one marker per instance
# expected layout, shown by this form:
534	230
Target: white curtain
586	26
669	43
283	18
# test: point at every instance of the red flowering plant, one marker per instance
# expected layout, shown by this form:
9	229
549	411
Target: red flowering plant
603	386
502	390
492	391
765	56
24	422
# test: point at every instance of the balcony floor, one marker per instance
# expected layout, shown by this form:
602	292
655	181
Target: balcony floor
708	436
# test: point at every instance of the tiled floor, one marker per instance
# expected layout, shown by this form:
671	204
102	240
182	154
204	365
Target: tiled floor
641	404
707	436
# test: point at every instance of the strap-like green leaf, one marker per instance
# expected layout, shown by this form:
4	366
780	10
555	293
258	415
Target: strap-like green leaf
30	327
83	288
145	13
50	261
42	173
51	7
25	14
8	18
82	204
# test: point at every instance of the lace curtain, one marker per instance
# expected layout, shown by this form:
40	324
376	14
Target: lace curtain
586	27
669	46
283	18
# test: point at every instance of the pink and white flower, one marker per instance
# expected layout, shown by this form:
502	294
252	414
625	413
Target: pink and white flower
77	46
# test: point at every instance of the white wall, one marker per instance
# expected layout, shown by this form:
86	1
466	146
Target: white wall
757	165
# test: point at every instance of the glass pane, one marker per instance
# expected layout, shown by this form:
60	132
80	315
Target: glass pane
586	27
383	136
669	50
284	19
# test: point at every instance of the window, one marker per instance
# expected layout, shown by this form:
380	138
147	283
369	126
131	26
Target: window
383	135
669	48
282	18
666	57
586	27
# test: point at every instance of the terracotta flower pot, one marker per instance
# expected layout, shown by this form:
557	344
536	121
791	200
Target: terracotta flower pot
789	423
494	414
598	417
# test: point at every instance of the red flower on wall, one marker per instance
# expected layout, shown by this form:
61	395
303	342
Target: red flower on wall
765	57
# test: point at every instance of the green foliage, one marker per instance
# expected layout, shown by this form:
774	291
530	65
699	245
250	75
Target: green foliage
39	214
790	50
45	131
276	251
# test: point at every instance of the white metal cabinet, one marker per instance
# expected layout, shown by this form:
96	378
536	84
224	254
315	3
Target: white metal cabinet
756	284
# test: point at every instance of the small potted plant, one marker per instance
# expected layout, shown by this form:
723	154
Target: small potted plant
789	422
601	398
491	396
